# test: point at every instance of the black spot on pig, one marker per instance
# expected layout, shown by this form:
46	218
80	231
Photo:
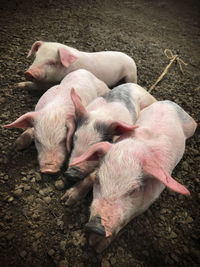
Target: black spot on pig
122	94
106	133
81	121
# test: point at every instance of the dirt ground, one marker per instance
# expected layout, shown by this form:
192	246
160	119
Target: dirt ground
36	229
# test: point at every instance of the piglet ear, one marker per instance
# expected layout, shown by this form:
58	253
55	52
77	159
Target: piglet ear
94	153
120	127
80	110
66	57
25	121
152	168
34	48
71	127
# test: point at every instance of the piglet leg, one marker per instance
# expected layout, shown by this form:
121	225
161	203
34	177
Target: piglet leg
24	140
79	191
100	243
27	85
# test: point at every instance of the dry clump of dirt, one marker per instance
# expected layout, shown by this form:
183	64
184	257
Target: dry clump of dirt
35	227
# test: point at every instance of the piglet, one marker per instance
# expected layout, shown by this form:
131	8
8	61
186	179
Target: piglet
53	118
53	61
103	119
136	169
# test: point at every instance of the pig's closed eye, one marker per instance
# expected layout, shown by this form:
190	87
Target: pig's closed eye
135	191
63	140
52	63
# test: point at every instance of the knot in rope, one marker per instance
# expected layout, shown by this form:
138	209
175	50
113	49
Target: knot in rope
168	53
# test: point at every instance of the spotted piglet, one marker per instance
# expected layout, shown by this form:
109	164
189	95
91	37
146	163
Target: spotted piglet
104	118
136	169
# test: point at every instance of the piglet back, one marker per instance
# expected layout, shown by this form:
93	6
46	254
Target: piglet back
188	123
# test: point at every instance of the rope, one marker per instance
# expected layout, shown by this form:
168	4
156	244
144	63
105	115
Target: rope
168	53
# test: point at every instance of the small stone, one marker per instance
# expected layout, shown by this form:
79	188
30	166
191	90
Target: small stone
113	261
23	253
38	177
60	223
59	185
45	191
33	180
41	192
35	246
173	235
47	199
63	244
2	100
163	211
6	177
27	187
105	263
17	192
162	217
38	235
36	216
63	263
30	198
51	252
24	179
29	176
10	199
185	166
189	220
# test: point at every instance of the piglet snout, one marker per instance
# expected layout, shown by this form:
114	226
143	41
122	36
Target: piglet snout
74	173
95	226
50	169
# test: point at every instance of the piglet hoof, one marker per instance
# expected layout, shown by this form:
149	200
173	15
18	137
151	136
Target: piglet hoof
20	85
24	140
27	85
99	243
71	197
74	174
103	244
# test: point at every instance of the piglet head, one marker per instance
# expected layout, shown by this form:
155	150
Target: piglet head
50	63
126	184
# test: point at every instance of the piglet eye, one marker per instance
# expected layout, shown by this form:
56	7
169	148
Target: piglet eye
52	63
63	140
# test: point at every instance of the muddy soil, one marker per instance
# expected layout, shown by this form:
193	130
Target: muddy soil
36	229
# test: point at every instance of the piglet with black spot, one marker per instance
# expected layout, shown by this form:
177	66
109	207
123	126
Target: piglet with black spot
103	119
136	169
